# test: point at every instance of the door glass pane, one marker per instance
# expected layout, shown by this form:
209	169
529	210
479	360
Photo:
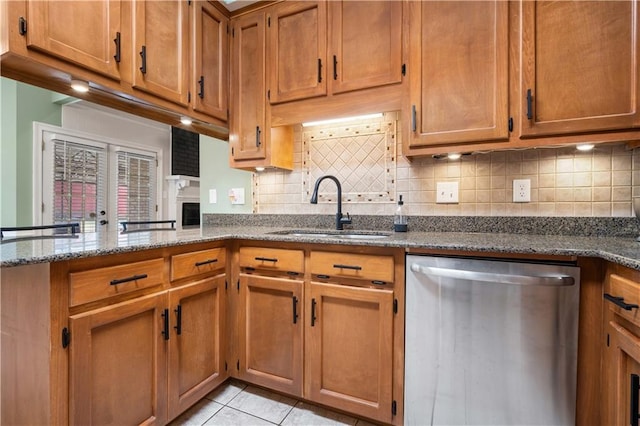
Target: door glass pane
136	187
79	179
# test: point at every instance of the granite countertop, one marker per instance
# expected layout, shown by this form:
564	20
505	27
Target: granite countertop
624	250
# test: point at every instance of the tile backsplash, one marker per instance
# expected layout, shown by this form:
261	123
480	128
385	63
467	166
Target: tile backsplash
564	181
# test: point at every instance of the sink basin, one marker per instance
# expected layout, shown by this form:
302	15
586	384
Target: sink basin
362	236
335	234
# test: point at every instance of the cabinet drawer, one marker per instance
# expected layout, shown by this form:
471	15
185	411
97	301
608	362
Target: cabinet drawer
96	284
272	259
197	262
359	266
629	291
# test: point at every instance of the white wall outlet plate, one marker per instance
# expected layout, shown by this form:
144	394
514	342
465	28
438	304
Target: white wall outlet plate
236	195
447	192
213	196
521	190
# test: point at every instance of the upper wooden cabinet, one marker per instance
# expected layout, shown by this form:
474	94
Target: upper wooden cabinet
458	73
252	141
210	43
248	88
365	44
296	53
301	64
85	33
161	49
579	66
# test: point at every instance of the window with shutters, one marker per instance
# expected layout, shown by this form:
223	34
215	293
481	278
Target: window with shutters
93	181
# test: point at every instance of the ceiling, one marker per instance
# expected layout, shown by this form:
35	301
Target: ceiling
233	5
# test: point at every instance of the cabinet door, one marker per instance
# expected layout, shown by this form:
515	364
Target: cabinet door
271	332
196	364
161	43
118	364
55	27
349	349
248	118
365	44
580	66
458	72
297	50
623	381
210	60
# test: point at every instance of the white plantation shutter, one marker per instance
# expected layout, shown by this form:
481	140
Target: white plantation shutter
79	183
136	186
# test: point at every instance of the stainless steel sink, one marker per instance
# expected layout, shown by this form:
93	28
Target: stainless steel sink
336	234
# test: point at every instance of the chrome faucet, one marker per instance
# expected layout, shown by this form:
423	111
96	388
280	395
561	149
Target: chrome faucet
340	221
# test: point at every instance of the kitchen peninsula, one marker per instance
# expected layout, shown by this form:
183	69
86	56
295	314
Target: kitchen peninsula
161	276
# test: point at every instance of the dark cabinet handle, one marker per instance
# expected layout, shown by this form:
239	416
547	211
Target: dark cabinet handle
143	55
414	124
206	262
267	259
335	67
201	84
129	279
258	136
165	324
103	222
529	105
354	267
319	70
295	309
117	42
178	326
635	388
313	312
619	301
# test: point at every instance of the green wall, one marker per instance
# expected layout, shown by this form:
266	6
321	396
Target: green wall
215	173
21	105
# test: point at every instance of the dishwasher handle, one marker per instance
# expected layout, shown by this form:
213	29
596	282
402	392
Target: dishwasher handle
492	277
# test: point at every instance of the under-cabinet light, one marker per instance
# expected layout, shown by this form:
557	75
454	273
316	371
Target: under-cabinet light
341	120
454	155
186	120
80	86
259	169
585	147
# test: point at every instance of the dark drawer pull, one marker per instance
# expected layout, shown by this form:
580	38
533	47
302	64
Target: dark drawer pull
355	268
128	279
295	309
266	259
206	262
313	312
619	301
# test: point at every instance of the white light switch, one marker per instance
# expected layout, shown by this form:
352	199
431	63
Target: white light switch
213	196
236	195
447	192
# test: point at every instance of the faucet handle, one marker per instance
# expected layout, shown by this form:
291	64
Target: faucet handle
346	220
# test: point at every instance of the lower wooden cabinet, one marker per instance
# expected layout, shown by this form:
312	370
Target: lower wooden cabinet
323	325
271	326
621	358
117	364
197	330
349	349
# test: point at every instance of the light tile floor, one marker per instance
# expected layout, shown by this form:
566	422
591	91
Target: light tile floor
236	404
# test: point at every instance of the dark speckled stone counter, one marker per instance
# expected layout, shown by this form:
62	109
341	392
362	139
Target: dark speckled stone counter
624	250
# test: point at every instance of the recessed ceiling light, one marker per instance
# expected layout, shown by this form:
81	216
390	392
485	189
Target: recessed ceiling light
186	120
80	86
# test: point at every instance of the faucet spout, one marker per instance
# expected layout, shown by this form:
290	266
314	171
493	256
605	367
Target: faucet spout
340	221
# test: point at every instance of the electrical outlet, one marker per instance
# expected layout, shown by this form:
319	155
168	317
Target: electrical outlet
521	190
447	192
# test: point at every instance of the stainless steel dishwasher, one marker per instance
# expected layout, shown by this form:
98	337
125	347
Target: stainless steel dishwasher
490	342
